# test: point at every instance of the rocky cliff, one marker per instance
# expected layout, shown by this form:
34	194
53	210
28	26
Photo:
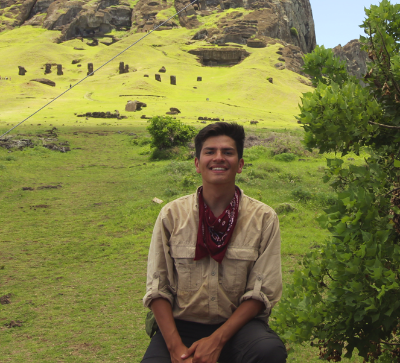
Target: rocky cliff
356	58
288	20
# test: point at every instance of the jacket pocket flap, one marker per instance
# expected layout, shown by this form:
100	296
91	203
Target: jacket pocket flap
237	253
182	251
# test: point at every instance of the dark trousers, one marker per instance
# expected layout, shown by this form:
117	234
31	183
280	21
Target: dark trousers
256	342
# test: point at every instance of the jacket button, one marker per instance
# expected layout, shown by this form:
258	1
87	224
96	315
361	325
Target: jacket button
156	275
259	278
213	273
213	298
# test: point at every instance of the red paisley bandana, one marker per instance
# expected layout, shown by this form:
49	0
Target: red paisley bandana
215	233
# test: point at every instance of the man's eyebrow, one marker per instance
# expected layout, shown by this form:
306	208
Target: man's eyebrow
222	148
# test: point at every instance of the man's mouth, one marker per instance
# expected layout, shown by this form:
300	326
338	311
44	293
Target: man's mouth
218	168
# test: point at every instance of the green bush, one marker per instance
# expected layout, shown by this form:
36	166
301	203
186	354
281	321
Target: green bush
141	141
294	32
10	158
287	157
167	132
302	194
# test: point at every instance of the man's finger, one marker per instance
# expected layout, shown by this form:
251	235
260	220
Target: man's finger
190	351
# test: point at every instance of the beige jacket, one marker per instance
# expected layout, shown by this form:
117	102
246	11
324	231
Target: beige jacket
204	291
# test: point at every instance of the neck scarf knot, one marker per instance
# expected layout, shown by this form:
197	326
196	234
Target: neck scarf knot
215	233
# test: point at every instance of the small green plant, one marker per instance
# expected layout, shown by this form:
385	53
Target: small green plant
294	32
284	208
10	158
170	192
141	141
188	181
287	157
167	132
302	194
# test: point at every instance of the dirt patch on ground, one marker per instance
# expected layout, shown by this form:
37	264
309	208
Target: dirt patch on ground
14	324
5	299
253	140
49	140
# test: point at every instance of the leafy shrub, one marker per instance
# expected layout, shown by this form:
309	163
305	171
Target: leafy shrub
294	32
178	153
269	168
255	153
10	158
284	208
287	157
188	181
141	141
170	192
2	166
257	174
326	199
302	194
167	132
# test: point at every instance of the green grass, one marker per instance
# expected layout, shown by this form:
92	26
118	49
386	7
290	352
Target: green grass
74	258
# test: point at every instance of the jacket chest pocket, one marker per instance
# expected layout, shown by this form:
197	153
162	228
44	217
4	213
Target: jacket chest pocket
235	268
188	271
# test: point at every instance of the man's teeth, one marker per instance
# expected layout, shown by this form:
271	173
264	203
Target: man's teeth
218	169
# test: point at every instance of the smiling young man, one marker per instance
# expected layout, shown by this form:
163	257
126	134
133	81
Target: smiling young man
214	269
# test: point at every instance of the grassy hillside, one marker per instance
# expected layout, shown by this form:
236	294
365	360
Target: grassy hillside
239	93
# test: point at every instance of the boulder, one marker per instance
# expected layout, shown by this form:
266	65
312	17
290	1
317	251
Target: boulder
158	77
90	69
162	69
173	80
256	43
133	106
355	58
174	109
59	70
45	81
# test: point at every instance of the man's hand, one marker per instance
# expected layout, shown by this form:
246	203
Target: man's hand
177	352
206	350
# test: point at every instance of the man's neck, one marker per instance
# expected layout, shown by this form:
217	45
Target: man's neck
218	197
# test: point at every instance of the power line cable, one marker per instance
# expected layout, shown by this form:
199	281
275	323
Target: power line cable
90	74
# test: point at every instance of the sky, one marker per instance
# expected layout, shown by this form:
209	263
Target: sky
337	22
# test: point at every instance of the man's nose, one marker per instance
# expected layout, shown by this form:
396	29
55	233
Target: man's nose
218	155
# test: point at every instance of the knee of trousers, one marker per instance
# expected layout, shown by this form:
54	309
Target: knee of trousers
267	351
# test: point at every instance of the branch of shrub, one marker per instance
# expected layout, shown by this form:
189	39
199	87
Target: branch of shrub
389	343
392	191
396	86
327	272
385	126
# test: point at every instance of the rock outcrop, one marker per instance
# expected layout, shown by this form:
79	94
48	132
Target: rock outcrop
288	20
356	58
218	56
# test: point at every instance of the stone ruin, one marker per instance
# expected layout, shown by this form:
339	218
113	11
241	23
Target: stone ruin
133	106
270	80
256	43
173	111
47	68
45	81
21	71
59	70
90	69
216	57
199	79
209	118
123	68
162	69
158	77
102	115
173	80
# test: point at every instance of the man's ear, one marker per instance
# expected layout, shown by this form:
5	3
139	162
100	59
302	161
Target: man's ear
240	166
196	163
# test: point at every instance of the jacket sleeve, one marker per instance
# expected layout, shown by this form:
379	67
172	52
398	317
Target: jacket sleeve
160	275
265	279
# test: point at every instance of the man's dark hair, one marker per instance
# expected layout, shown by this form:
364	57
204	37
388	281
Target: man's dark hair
233	130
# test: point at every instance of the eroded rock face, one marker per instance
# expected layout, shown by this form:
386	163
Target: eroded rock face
288	20
218	56
271	18
356	58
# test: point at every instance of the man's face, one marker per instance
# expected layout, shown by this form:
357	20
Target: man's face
219	161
